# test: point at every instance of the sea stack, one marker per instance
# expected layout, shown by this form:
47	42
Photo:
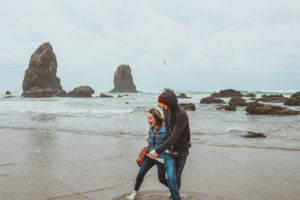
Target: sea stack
123	80
40	78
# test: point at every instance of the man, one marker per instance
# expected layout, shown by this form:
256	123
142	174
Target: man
177	141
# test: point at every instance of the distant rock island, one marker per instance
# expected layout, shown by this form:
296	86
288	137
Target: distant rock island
40	78
123	80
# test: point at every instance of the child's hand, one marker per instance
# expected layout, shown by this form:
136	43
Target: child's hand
191	142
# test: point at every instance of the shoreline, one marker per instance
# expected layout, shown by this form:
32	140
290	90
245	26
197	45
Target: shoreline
58	165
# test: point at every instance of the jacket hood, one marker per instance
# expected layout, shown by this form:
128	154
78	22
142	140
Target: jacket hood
171	99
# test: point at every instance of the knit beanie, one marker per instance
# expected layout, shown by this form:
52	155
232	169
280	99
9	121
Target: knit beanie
162	100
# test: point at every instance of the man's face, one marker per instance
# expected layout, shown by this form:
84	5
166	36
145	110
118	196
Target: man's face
163	107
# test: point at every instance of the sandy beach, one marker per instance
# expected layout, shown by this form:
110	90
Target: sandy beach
49	165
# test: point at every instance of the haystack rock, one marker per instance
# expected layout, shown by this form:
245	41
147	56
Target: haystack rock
40	78
188	106
123	80
268	109
211	100
226	94
82	91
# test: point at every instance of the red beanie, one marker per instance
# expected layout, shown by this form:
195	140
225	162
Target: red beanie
162	100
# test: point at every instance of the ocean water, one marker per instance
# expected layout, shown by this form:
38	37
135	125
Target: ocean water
115	118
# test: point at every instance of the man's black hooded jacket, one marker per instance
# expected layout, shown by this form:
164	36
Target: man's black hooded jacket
178	129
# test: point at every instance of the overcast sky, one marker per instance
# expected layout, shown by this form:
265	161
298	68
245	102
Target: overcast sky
208	45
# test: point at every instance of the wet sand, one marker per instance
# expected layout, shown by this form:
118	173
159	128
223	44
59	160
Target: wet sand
46	165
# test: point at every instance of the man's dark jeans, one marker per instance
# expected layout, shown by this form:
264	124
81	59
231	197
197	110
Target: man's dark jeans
148	164
174	168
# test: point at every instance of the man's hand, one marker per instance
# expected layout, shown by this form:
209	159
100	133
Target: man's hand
153	154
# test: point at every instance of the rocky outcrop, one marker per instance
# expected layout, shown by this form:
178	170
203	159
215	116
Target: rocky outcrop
183	96
251	134
227	107
292	102
272	98
8	94
37	92
82	91
268	109
211	100
250	95
226	94
296	95
123	80
237	101
105	96
188	106
40	78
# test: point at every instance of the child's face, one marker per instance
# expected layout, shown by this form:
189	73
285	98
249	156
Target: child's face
151	120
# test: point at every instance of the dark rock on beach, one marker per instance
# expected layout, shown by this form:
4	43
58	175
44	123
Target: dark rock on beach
105	96
250	95
211	100
82	91
292	102
40	78
237	101
7	93
268	109
251	134
123	80
227	107
296	95
272	98
188	106
183	96
226	94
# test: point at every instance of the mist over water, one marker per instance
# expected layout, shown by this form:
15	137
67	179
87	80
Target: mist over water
127	117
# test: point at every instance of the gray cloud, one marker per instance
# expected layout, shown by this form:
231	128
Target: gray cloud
207	44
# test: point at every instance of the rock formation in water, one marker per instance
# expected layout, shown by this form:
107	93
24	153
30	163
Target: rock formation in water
211	100
227	93
102	95
227	107
296	95
272	98
82	91
123	80
40	78
292	102
268	109
252	134
250	95
188	106
183	96
237	101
